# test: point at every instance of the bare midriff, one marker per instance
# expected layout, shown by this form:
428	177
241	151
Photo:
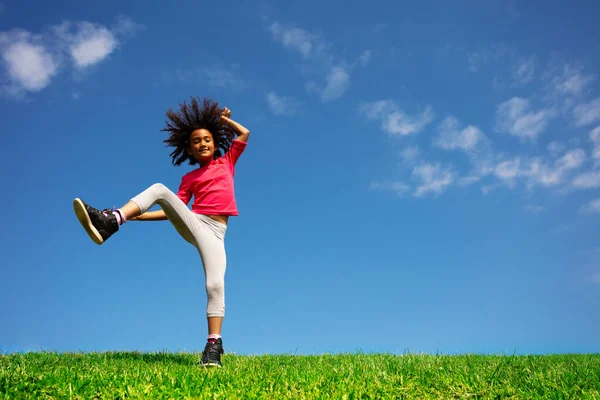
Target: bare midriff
220	218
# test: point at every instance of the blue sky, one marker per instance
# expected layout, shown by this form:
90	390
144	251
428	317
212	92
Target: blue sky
420	177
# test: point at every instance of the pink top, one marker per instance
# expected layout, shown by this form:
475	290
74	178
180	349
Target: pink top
212	184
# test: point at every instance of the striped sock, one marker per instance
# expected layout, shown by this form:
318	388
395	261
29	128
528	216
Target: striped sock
213	337
121	218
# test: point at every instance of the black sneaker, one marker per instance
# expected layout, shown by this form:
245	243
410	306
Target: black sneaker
99	225
211	356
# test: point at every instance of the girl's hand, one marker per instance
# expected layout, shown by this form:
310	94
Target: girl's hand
226	112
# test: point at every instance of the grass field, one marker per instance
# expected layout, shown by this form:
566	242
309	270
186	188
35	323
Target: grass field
119	375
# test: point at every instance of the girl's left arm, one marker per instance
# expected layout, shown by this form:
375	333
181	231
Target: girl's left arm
242	131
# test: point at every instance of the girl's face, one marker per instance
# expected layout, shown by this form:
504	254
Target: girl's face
202	146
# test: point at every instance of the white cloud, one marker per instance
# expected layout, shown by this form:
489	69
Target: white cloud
536	172
32	60
91	44
513	117
587	113
592	207
509	170
393	120
282	105
338	81
433	179
294	38
482	167
524	70
468	180
572	159
29	64
587	180
552	176
571	82
451	137
473	142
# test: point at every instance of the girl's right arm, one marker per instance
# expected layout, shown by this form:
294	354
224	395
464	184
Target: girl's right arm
150	216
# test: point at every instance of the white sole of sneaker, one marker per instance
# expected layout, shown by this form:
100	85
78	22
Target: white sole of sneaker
211	365
85	221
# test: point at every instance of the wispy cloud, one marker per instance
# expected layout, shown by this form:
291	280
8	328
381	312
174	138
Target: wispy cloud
567	86
338	81
33	60
297	39
432	179
591	207
515	118
472	141
562	104
282	105
569	80
587	180
587	113
524	69
393	120
508	171
536	172
452	137
328	76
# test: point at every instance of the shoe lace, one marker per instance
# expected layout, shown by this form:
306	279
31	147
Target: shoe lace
108	211
213	351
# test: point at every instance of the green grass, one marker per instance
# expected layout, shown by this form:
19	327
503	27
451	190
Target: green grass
119	375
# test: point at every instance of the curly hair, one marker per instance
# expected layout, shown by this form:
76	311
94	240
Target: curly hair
181	124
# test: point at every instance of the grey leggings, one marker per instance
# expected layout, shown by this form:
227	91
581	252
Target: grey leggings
204	233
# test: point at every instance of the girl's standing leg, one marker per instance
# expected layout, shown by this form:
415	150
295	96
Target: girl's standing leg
208	236
211	247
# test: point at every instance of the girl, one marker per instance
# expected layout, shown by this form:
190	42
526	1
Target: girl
200	135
